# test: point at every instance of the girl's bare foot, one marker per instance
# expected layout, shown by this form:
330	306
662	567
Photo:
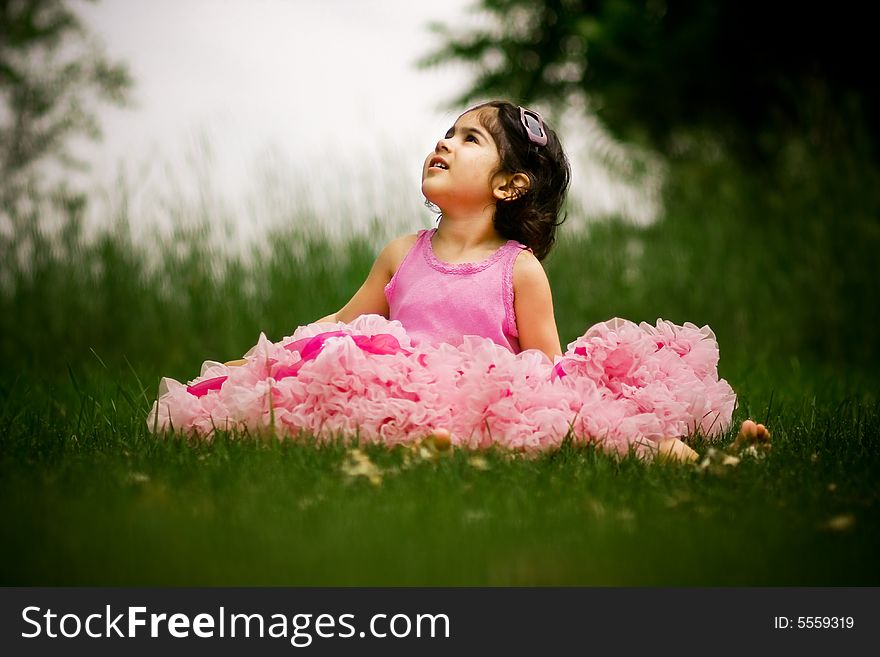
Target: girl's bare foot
751	432
673	449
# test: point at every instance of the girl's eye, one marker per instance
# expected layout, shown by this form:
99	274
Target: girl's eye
448	134
471	138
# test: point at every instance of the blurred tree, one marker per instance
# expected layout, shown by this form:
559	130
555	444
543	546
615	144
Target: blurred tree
749	73
52	75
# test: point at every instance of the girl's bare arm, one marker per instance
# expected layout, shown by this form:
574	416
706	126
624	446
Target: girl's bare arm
533	304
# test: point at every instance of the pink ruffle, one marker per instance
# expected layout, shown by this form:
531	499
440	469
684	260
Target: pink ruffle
620	385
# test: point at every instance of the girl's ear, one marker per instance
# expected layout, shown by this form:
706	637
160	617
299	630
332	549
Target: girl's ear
510	186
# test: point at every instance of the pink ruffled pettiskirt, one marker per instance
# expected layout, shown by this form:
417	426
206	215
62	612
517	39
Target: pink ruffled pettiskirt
620	385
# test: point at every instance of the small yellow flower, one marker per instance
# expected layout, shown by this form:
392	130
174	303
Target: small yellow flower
358	464
841	523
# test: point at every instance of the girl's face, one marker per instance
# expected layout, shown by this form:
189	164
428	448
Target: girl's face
458	174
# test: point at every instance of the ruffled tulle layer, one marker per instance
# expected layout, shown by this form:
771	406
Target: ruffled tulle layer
620	385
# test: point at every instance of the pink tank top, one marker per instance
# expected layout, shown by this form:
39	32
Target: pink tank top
440	302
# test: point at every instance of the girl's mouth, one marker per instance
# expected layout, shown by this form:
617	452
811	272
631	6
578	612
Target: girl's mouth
438	163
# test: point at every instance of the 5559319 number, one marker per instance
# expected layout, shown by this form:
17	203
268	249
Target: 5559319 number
825	622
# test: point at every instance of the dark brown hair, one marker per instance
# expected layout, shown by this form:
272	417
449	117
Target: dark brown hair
532	217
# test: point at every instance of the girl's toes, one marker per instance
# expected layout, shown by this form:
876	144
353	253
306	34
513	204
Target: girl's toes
749	430
751	433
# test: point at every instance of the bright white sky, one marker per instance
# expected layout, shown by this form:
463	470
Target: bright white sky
273	104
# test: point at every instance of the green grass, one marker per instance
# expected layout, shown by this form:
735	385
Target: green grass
112	505
782	269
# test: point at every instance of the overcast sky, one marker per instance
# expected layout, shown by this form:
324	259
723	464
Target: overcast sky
276	103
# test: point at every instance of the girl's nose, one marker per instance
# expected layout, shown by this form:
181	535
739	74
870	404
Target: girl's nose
441	146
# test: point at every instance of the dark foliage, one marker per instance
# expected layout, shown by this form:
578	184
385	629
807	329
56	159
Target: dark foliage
752	74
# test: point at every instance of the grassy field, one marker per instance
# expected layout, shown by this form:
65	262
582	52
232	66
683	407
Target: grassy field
782	268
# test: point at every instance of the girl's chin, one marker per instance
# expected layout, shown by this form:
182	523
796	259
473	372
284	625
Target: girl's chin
429	194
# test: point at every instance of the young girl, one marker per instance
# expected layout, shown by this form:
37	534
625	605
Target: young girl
453	332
